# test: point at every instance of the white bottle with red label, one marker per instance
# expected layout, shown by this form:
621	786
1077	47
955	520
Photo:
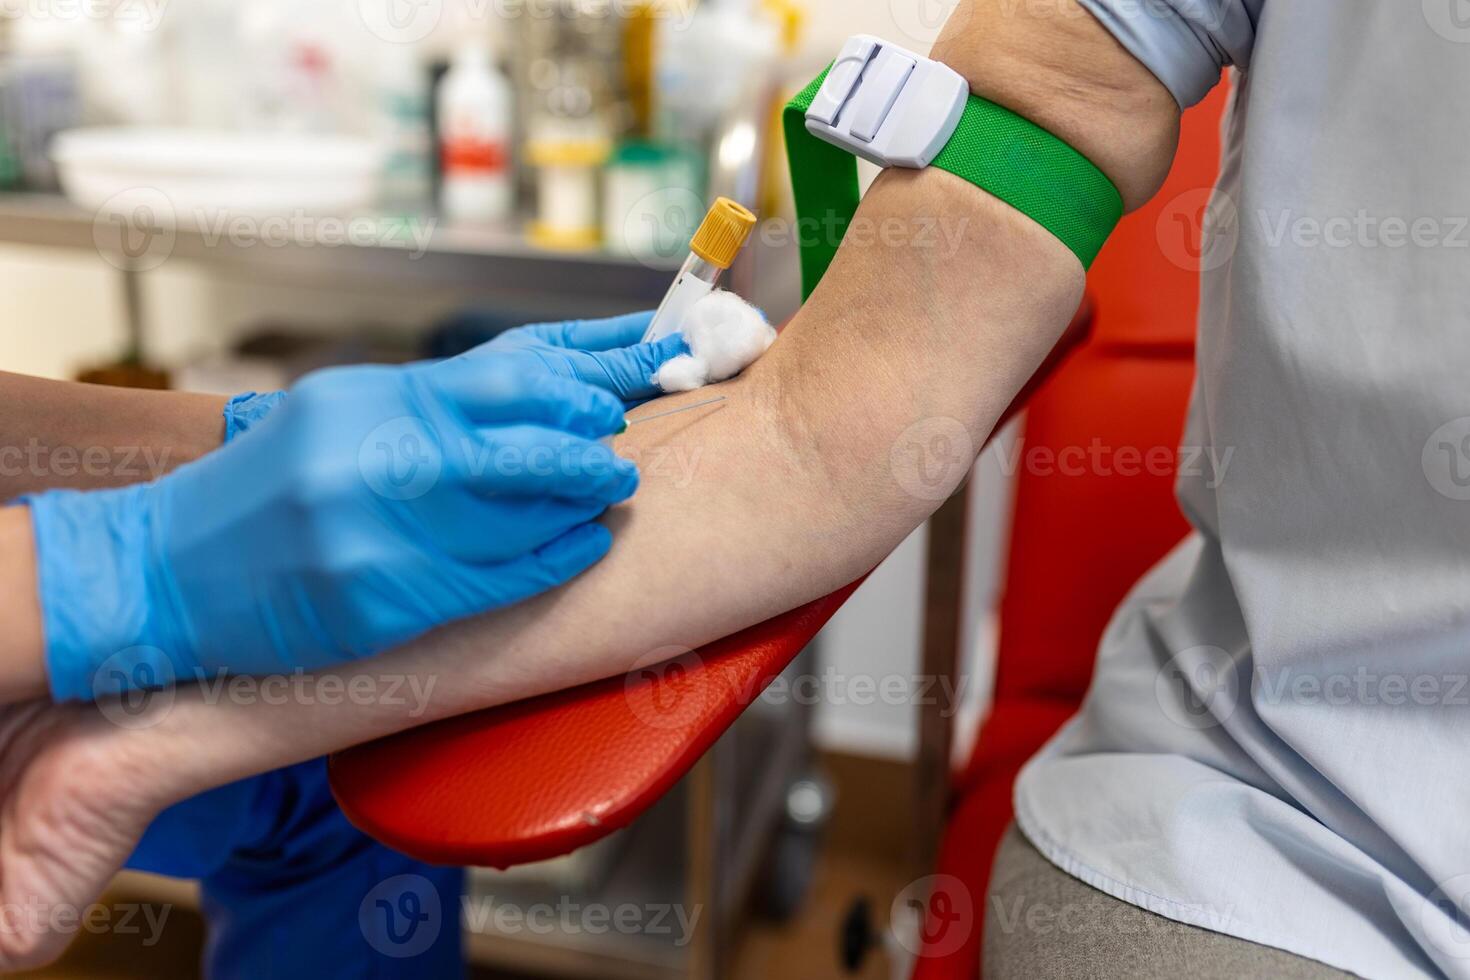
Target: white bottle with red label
475	104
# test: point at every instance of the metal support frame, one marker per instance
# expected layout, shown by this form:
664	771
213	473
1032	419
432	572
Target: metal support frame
944	623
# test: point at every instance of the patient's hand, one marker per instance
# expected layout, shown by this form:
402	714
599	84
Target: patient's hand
74	799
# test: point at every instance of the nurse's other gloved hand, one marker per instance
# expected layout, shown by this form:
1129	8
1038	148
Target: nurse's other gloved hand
604	353
373	505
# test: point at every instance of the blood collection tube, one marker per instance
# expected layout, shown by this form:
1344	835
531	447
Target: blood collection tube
719	239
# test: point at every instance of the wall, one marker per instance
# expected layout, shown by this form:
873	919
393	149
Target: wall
62	311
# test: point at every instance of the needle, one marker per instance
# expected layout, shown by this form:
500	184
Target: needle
676	411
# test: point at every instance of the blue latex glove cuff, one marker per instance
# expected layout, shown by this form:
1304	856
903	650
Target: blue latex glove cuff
109	628
246	410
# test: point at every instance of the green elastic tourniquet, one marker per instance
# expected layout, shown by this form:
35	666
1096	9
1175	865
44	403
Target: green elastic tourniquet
992	148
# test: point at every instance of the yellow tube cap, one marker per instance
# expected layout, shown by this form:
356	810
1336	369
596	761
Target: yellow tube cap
723	233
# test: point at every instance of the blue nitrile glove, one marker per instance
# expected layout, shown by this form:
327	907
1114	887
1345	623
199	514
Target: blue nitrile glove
605	353
373	505
244	412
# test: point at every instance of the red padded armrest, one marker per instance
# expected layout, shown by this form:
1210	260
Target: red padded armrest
539	778
542	777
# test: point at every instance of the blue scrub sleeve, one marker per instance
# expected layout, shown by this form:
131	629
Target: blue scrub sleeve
293	891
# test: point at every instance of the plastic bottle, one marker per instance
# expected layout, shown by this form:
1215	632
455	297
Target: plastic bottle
402	123
475	131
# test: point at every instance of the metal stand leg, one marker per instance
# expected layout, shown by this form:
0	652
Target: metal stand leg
944	613
133	316
702	890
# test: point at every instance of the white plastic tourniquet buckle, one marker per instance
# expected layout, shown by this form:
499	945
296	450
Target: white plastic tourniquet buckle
887	104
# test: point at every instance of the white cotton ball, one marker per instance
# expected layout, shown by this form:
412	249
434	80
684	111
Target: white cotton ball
683	373
726	333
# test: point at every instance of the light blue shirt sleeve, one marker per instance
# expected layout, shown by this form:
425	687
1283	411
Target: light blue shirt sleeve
1185	43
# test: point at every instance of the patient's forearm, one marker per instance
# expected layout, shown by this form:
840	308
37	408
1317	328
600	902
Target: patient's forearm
789	489
63	434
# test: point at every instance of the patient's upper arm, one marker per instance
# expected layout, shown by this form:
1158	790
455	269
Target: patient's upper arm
1107	76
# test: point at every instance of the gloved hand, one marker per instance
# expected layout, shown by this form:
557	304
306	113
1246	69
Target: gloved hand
373	505
605	353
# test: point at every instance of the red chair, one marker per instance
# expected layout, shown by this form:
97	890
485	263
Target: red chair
1080	541
540	778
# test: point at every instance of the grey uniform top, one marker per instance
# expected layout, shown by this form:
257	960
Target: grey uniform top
1277	741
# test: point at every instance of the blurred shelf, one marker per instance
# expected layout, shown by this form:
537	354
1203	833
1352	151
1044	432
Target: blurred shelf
490	259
